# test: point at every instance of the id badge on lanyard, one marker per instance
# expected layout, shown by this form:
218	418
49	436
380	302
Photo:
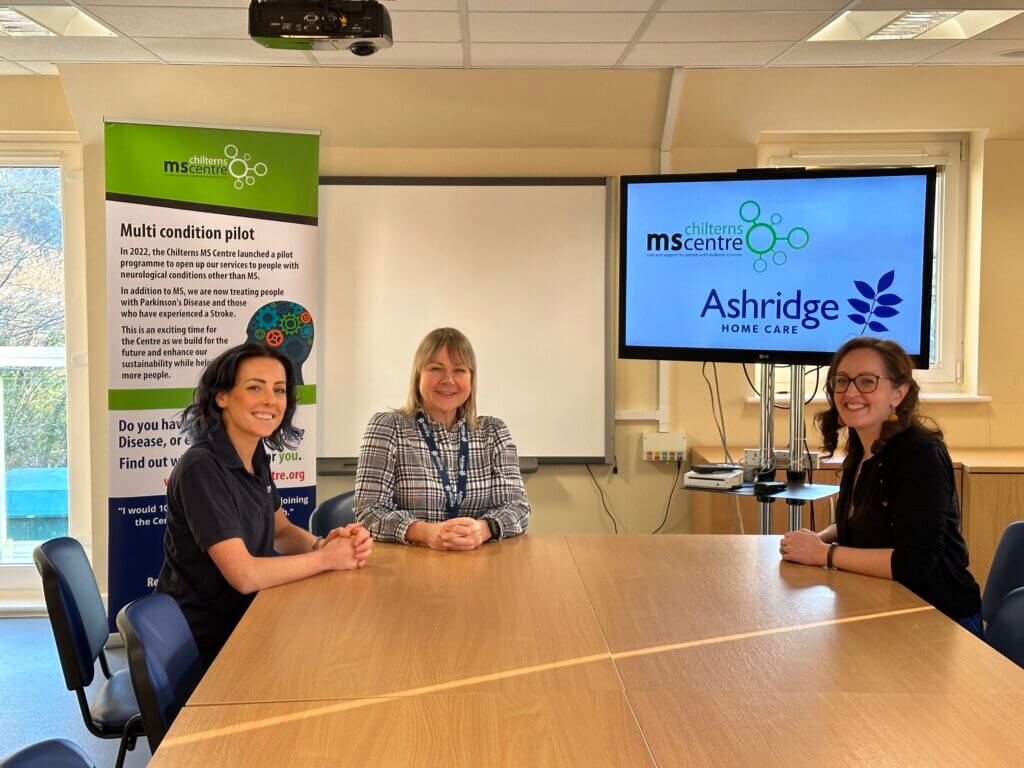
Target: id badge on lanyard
454	492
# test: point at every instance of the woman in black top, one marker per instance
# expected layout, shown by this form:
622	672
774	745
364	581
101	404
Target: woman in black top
897	515
224	515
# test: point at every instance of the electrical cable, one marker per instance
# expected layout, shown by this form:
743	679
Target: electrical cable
714	415
675	484
600	490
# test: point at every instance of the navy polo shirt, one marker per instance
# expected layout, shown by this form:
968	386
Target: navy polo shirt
212	497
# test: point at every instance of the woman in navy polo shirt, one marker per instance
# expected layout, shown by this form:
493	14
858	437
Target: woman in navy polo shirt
897	516
224	515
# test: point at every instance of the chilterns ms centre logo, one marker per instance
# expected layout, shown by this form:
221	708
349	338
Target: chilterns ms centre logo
762	238
709	239
234	165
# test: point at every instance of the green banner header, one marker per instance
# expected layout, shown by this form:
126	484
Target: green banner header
248	170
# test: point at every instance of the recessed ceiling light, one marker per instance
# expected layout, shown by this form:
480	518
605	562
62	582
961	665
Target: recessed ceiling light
909	25
49	21
15	24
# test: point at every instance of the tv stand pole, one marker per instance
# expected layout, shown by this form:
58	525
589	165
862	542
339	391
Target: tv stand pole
796	474
766	450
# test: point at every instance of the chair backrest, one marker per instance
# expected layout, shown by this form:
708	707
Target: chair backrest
55	753
1005	631
75	608
163	660
336	512
1007	572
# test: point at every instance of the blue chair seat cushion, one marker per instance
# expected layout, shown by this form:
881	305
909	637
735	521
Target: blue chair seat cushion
114	703
55	753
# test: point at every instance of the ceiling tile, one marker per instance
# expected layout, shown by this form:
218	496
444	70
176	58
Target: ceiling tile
217	23
553	27
938	5
739	27
403	55
176	50
540	55
703	54
394	6
426	26
109	49
10	68
167	3
41	67
860	53
575	6
754	5
979	52
1008	30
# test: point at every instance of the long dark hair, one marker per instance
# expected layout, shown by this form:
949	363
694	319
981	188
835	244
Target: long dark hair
899	368
220	375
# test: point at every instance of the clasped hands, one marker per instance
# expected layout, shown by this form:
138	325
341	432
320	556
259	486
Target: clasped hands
348	546
804	547
459	533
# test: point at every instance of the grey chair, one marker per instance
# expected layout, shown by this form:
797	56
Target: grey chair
1002	604
54	753
79	624
336	512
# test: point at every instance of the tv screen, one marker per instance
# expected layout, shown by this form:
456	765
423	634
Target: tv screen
778	266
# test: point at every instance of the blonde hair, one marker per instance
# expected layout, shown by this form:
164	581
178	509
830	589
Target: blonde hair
461	351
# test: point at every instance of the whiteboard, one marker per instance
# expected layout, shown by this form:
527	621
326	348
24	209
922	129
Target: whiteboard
520	266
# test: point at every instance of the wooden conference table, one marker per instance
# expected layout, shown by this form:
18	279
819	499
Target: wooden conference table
599	651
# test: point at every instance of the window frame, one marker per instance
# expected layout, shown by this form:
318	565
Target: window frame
20	582
948	152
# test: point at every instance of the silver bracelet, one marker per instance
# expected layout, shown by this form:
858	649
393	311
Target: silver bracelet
316	541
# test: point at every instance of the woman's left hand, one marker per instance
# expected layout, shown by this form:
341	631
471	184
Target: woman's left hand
803	547
465	533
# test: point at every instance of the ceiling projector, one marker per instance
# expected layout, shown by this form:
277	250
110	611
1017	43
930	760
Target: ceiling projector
303	25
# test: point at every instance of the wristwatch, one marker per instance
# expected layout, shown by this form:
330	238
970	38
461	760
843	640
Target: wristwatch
494	528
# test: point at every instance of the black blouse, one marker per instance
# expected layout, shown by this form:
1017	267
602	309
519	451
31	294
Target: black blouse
905	499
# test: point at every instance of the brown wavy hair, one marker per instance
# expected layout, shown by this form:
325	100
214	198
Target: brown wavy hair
899	368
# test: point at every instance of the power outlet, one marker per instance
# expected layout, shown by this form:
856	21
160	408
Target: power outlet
663	446
752	458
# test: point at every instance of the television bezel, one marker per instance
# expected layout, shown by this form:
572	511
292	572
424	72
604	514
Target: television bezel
776	356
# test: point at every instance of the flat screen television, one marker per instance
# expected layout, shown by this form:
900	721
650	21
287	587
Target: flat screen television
775	266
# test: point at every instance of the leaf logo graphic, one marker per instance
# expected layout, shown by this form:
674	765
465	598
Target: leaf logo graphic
876	303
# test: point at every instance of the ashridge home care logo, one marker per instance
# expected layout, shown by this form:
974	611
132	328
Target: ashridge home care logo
233	165
790	315
761	239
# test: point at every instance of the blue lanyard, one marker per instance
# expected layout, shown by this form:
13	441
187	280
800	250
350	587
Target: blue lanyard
454	492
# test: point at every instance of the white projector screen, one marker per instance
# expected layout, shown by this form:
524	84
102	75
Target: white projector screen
520	266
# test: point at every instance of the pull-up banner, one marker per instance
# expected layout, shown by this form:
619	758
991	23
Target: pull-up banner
211	242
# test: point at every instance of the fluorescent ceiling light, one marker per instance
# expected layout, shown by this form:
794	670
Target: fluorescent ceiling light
14	24
911	25
49	21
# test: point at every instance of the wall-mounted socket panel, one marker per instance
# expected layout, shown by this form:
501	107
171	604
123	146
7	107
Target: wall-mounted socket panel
663	446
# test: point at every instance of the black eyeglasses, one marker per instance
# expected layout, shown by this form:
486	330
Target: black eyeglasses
864	382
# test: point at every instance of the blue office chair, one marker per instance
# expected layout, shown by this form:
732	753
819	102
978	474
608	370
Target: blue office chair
163	660
79	624
1005	631
336	512
55	753
1007	572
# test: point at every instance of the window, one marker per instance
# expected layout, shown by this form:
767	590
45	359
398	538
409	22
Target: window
41	269
948	154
